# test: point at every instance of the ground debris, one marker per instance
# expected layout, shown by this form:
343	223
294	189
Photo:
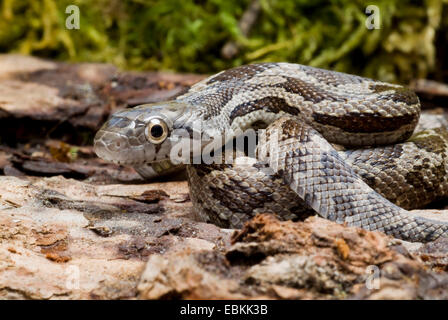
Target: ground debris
62	96
315	259
435	254
60	228
150	196
431	93
65	212
50	112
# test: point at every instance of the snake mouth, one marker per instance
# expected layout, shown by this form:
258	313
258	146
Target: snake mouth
114	147
122	149
103	151
147	169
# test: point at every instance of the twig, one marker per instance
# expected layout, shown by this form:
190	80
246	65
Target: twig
231	48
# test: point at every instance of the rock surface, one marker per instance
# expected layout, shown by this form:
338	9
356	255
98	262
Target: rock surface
61	238
75	227
315	259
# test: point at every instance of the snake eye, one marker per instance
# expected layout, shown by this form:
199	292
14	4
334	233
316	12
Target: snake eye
156	131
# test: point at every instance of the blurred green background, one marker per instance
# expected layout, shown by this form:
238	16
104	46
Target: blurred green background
189	35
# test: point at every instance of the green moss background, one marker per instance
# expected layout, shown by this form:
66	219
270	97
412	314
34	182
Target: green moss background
188	35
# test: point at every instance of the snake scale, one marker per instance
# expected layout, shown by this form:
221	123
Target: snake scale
330	143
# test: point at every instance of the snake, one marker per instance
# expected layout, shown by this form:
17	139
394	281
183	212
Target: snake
337	145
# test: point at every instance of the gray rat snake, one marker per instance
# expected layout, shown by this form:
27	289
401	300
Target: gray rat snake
305	115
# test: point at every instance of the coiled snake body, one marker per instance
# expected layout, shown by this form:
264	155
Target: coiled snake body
297	171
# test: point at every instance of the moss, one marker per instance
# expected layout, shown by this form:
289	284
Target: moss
187	35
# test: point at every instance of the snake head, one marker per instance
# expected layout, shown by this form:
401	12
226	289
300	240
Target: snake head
140	135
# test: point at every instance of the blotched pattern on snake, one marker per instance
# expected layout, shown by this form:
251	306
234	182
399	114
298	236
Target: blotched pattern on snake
338	145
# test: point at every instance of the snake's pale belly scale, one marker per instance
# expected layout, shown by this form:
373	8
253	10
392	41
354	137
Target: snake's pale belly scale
307	109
